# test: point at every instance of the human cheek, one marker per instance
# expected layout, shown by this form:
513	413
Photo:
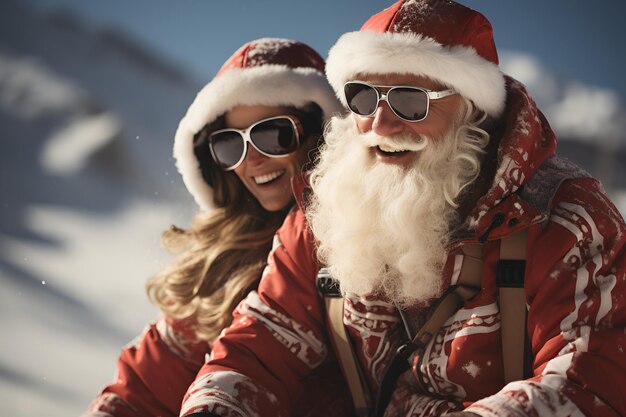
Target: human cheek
240	171
435	125
247	182
293	163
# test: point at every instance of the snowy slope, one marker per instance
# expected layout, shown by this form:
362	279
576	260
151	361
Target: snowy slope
87	184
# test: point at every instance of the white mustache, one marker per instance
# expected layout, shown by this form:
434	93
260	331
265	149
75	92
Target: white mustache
405	142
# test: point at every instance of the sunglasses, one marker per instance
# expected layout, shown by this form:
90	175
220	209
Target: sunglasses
274	137
408	103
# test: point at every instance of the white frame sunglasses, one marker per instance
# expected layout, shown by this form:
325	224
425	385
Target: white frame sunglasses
245	136
384	96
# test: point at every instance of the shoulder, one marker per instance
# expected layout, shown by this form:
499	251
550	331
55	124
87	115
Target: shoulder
582	207
563	191
541	189
580	221
582	224
294	232
294	250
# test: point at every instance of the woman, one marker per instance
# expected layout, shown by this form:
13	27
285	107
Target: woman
246	135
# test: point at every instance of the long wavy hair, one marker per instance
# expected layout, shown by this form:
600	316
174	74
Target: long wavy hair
222	255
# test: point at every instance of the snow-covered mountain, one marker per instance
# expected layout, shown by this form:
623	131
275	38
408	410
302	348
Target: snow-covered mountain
87	184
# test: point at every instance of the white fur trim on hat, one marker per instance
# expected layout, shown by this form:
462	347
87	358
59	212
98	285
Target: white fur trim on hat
269	85
459	67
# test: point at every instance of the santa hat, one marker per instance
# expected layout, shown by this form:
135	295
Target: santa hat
439	39
268	71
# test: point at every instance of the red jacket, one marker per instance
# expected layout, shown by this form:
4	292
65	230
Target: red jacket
575	286
155	370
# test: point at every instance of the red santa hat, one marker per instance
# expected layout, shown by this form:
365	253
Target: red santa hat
439	39
268	71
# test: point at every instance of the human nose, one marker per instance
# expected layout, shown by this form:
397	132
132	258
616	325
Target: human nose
254	157
386	123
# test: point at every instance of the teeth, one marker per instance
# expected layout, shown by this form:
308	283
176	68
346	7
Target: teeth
263	179
386	148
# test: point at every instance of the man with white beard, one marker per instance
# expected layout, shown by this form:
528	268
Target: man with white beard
381	182
438	193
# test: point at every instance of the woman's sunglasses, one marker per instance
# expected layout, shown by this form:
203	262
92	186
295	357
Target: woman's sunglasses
408	103
274	137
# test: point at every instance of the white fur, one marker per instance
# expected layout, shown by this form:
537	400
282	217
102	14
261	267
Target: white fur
460	67
270	85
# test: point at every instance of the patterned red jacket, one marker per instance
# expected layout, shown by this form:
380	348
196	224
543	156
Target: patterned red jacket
575	287
155	370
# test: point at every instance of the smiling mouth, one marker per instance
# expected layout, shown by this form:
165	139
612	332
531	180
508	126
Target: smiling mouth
268	178
389	151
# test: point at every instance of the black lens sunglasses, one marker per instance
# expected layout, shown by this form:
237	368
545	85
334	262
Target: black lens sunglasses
407	102
274	137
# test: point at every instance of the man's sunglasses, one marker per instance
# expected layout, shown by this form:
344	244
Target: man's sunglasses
274	137
406	102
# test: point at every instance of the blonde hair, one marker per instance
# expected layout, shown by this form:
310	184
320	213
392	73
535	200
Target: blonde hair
221	258
222	255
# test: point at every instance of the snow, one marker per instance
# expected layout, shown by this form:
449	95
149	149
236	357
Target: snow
587	112
267	46
589	121
575	110
28	89
68	150
86	188
66	334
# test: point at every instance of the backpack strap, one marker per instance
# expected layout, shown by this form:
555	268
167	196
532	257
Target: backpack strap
466	287
512	301
329	289
516	351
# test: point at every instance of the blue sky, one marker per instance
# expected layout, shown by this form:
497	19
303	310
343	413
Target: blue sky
576	39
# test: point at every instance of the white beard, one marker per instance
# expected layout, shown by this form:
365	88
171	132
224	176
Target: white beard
381	228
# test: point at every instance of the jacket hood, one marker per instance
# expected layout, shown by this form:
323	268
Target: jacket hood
526	142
